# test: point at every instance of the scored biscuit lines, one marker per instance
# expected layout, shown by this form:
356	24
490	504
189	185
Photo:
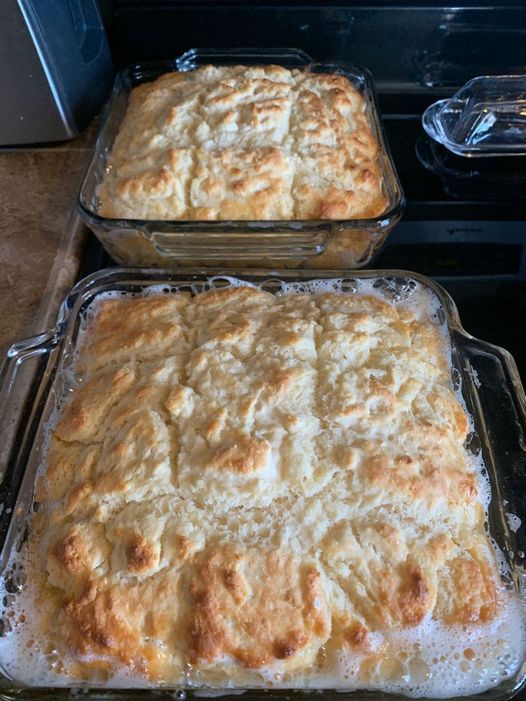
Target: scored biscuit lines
286	141
196	146
189	347
277	512
294	153
159	410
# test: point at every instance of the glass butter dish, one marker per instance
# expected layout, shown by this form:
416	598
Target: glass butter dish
487	117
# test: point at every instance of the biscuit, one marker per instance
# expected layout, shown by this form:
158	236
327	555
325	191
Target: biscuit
244	143
248	484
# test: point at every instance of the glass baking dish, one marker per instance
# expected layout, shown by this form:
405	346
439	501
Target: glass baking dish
310	243
34	371
486	117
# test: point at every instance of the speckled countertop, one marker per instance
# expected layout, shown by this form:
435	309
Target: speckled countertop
40	247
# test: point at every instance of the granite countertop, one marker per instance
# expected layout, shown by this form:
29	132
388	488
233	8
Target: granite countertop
40	248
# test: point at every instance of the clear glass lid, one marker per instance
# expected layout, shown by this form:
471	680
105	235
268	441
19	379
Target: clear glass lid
487	117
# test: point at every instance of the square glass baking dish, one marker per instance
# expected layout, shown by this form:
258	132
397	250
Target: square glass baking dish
32	377
342	244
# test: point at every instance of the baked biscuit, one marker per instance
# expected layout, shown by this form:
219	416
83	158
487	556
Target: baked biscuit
245	486
256	607
244	143
257	357
235	184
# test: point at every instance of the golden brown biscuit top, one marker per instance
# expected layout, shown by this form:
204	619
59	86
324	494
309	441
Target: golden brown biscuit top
257	607
242	482
244	143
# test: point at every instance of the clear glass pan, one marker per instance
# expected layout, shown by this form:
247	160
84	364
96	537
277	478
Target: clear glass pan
487	375
311	243
487	117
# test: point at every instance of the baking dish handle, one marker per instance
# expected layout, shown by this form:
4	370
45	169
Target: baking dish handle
240	245
494	384
500	375
289	57
15	361
21	384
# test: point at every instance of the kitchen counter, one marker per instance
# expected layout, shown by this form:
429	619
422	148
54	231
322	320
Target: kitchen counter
40	242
